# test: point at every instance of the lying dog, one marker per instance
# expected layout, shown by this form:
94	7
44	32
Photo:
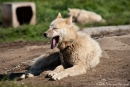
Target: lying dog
84	17
77	52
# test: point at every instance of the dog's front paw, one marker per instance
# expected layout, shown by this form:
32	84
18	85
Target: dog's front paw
59	76
51	74
56	77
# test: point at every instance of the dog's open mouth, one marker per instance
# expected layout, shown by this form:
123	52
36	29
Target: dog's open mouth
54	41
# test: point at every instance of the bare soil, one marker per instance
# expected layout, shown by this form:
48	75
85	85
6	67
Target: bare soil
113	70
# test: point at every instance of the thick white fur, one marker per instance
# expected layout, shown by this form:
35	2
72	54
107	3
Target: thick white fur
75	56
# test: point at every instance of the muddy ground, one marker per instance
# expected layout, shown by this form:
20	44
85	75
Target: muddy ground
113	70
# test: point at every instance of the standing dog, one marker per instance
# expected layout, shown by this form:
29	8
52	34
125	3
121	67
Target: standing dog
84	17
77	53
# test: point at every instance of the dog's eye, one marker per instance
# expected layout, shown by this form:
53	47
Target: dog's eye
55	28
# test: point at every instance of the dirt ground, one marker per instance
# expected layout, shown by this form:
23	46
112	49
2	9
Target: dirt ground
113	70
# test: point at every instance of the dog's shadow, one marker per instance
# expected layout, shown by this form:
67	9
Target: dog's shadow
16	76
43	64
12	76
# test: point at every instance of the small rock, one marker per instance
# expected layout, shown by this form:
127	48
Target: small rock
22	83
5	68
104	79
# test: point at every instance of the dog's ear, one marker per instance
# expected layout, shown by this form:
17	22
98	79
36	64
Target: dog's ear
69	20
69	9
59	15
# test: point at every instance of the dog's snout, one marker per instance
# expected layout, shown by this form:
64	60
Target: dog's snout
45	34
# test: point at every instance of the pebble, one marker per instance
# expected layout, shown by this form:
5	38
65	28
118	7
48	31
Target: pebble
5	68
22	83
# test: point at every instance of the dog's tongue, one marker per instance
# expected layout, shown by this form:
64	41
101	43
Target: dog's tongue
53	43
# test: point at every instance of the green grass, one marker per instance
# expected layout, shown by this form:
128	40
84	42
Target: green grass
115	12
18	84
26	32
6	82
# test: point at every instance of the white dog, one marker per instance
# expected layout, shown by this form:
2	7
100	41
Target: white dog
84	17
77	53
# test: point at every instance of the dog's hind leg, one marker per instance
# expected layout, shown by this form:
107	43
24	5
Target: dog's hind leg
42	63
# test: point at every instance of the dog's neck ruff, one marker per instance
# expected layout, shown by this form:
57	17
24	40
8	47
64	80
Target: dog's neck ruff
69	43
66	44
72	40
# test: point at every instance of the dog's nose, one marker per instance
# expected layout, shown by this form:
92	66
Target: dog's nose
45	34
